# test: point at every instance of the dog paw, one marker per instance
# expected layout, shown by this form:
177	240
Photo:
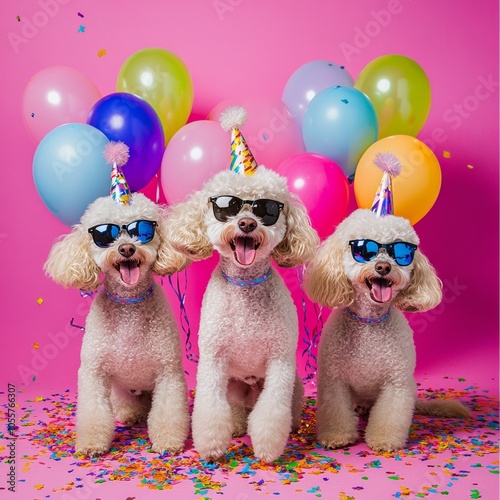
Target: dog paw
171	450
131	417
385	445
333	441
91	451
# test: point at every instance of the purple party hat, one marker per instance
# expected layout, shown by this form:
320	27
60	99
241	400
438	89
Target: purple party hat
391	167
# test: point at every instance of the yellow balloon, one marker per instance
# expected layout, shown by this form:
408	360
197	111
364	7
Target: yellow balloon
400	93
414	190
163	80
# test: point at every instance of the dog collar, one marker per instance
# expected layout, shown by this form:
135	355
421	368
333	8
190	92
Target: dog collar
247	283
369	321
131	300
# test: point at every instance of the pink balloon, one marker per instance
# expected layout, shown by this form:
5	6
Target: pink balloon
55	96
196	152
322	187
270	131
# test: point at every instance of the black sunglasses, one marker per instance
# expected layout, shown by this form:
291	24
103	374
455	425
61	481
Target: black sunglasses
229	206
366	250
105	234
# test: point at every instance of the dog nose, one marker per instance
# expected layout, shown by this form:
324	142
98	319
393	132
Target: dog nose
383	268
247	225
126	249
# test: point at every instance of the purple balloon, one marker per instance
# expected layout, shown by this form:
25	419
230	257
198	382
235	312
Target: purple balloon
132	120
310	79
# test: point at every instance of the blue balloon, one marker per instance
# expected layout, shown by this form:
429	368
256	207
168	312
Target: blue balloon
125	117
340	123
69	170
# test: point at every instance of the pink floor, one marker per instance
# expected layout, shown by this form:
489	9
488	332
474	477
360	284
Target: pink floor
455	459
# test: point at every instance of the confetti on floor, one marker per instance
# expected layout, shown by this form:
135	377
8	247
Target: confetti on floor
445	457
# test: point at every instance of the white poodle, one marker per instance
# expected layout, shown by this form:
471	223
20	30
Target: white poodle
246	378
371	269
131	366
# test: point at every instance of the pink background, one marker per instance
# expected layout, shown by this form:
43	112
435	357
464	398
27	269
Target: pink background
239	50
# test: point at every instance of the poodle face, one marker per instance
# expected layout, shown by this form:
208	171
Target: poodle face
124	242
126	259
380	279
246	219
242	235
348	267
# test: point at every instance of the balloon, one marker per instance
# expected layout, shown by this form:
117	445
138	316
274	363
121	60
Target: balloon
69	170
163	80
55	96
400	93
130	119
415	189
340	123
271	132
322	187
195	153
310	79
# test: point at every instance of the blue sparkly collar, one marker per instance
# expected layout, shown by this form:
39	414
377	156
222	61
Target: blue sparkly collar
247	283
131	300
369	321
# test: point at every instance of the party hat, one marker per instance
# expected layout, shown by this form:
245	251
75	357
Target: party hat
117	154
390	166
242	160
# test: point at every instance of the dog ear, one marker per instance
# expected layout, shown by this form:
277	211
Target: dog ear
300	241
70	262
325	281
169	260
424	290
185	228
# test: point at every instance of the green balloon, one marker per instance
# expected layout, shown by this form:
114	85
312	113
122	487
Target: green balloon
400	93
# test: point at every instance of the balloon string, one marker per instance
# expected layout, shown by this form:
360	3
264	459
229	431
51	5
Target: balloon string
185	325
311	338
157	189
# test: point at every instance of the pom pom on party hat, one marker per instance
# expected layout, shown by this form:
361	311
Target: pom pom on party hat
391	167
117	154
242	160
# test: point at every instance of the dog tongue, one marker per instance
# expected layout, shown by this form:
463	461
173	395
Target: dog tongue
380	292
129	271
245	250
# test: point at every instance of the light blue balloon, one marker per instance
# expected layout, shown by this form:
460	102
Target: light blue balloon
340	123
69	170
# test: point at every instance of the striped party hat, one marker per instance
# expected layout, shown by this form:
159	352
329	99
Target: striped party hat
242	160
117	154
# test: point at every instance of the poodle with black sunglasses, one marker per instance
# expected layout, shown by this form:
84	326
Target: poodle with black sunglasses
247	378
131	360
371	269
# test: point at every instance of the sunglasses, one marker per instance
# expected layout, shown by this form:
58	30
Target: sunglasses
229	206
366	250
105	234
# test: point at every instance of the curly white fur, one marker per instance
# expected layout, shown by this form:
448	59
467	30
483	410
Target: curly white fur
370	365
131	362
246	377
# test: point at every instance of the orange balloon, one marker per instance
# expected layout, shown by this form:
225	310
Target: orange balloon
414	190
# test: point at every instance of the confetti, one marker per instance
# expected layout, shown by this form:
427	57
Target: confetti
36	346
32	115
446	154
345	101
18	19
102	52
80	14
458	448
470	167
81	28
39	300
